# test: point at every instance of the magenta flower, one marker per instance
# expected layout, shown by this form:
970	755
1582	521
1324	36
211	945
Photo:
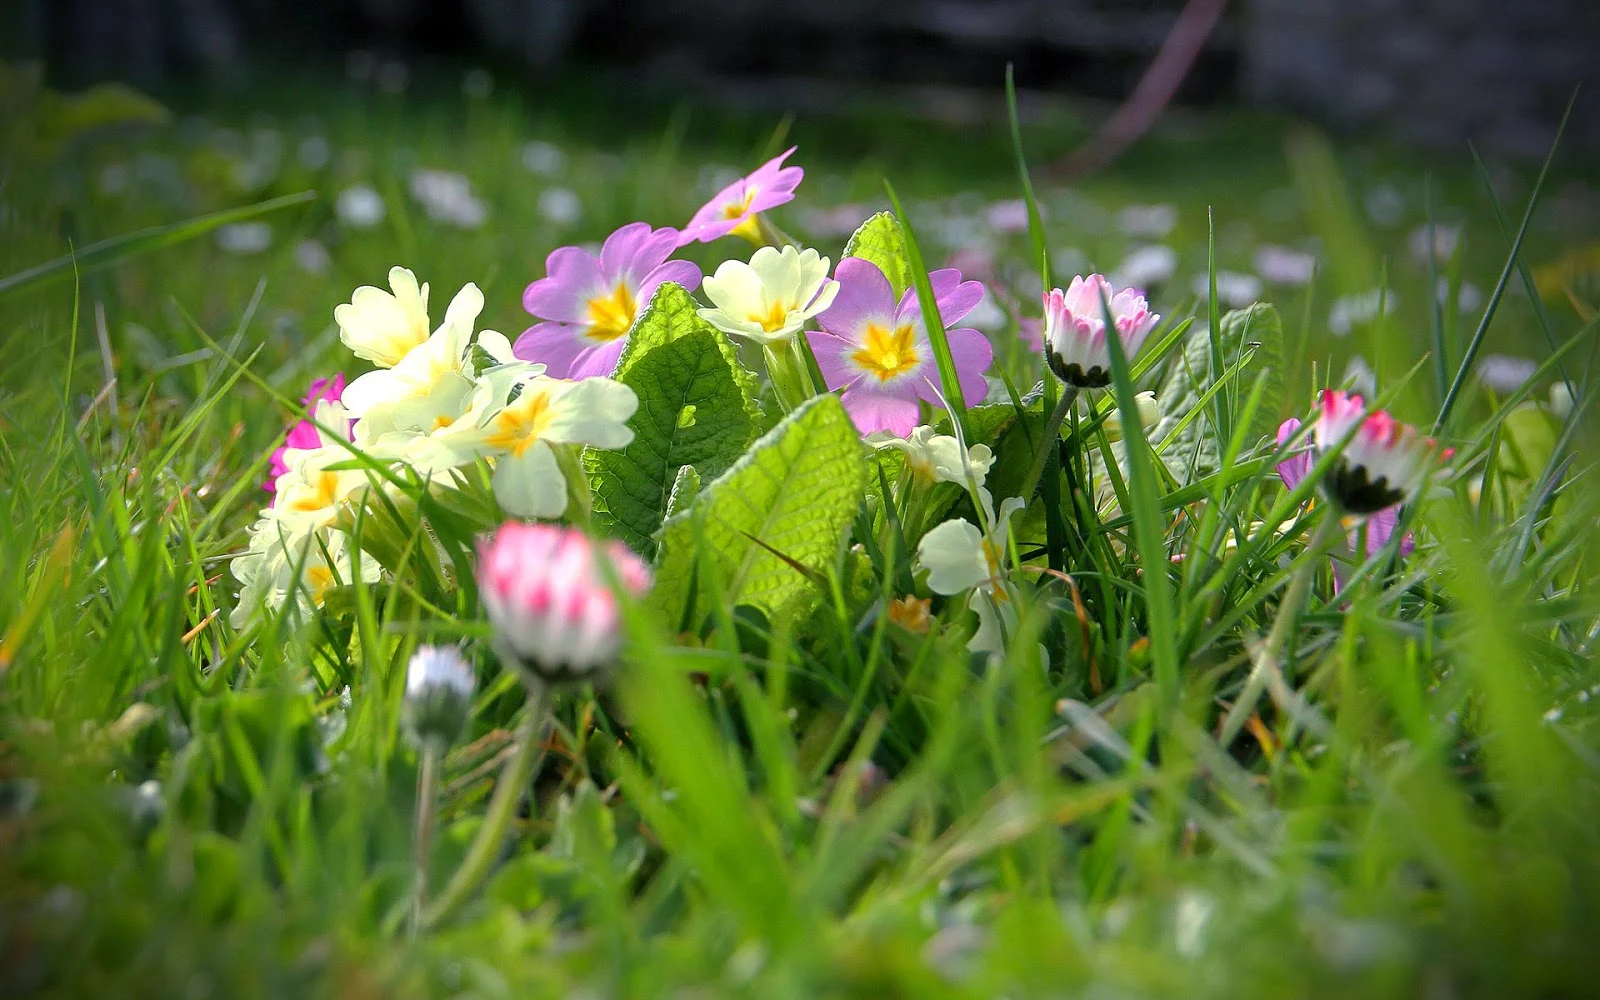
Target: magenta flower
877	350
733	210
1075	328
589	303
550	598
304	435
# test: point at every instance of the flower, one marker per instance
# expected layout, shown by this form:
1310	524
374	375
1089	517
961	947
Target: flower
911	613
938	458
550	598
283	560
447	196
1074	328
439	683
560	206
589	302
958	557
1151	221
360	207
426	360
734	209
245	237
381	327
1234	289
1146	266
305	436
1384	462
771	298
877	348
1282	265
518	425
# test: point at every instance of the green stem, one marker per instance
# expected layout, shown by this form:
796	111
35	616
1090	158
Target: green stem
486	846
422	843
790	381
580	504
1047	443
774	236
1265	664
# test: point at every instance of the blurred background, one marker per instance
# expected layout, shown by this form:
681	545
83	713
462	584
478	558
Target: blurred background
1431	71
1363	164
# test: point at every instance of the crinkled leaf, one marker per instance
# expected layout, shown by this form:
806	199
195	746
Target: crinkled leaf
797	491
881	241
692	411
684	489
671	315
1194	452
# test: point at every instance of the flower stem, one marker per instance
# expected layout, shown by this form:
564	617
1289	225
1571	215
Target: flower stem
486	846
1265	662
580	504
771	234
790	381
422	843
1047	443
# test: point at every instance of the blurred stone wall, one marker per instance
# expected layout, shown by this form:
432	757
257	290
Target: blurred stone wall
1436	72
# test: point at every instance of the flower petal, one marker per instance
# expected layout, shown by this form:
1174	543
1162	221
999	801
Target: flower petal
531	485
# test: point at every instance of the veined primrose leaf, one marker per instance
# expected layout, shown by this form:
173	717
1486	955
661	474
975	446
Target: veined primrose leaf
881	241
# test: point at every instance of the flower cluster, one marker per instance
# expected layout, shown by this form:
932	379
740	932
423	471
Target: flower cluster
439	401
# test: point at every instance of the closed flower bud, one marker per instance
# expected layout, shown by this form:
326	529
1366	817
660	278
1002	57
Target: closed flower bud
439	683
548	592
1383	463
1075	329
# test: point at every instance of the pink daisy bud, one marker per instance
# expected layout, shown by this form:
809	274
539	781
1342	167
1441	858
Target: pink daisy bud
733	210
548	592
1075	334
1383	464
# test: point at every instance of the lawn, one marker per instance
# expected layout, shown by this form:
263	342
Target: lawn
1204	712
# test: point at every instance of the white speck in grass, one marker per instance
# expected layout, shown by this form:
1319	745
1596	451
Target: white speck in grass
543	158
1285	266
1468	297
1009	216
987	314
313	257
1385	205
1445	239
560	206
1146	266
447	197
1151	222
1360	377
360	207
477	84
314	152
1351	311
1189	918
1069	260
1504	373
1554	715
245	237
1235	289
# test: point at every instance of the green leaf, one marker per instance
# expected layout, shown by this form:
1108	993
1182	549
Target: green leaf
109	251
1193	452
684	489
672	315
881	241
692	411
797	491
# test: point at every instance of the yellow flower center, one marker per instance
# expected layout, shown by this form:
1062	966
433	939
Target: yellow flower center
611	316
318	581
321	490
776	316
887	353
518	427
734	209
442	421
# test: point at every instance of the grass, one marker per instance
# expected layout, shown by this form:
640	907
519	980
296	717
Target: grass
817	802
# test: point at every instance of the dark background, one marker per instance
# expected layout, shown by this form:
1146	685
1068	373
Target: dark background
1430	72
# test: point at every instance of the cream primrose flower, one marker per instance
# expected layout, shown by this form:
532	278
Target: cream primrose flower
769	299
383	328
443	357
937	457
266	570
959	557
516	421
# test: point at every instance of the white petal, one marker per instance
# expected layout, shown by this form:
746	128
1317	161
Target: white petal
952	553
594	411
531	485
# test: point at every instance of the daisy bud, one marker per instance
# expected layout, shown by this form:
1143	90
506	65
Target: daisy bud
1075	334
549	597
1383	464
439	683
